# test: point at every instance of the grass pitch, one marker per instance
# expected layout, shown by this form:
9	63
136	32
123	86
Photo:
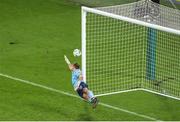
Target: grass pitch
35	34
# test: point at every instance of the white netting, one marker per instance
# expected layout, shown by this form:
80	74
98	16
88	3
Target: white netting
113	54
147	11
121	55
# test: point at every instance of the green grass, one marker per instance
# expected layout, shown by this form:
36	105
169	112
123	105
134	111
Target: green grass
35	34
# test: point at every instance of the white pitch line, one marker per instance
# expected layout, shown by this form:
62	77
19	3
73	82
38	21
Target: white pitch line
71	95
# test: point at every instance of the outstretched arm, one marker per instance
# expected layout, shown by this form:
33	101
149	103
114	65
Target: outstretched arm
68	63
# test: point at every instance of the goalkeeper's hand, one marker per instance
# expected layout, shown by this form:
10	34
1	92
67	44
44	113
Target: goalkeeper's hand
69	63
67	60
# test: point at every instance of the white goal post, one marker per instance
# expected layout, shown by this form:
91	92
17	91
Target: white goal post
131	47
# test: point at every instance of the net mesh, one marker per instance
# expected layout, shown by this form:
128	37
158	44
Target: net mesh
147	11
167	65
123	56
114	60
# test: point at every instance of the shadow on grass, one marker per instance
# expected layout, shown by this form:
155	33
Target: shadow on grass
86	114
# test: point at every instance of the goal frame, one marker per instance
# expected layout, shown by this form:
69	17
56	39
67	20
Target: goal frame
84	11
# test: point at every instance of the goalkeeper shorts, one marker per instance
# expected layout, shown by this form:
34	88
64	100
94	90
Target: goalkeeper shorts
82	85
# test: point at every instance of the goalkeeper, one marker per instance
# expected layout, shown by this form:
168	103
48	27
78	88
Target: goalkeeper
79	85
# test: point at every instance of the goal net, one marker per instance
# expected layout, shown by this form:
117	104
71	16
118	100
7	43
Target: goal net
134	46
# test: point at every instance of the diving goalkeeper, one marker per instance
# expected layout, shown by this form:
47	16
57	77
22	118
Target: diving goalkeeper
79	85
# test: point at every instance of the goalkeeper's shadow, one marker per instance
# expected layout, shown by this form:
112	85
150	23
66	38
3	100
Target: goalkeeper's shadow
86	114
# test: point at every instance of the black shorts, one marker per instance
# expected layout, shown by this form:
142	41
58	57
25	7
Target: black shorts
82	85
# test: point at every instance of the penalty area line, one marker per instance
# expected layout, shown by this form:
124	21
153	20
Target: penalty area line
71	95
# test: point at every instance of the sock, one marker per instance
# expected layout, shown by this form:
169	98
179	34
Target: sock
90	95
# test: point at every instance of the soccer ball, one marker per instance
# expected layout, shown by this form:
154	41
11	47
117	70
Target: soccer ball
77	52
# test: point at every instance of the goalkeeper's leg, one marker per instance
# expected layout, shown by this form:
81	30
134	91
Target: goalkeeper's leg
91	98
88	95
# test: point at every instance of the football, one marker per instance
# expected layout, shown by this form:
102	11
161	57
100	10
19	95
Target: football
77	52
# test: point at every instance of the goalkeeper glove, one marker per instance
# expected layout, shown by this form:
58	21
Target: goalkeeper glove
67	60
